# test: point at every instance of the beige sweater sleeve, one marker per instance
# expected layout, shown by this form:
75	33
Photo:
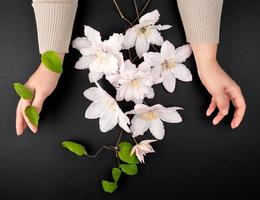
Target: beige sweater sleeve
201	19
54	21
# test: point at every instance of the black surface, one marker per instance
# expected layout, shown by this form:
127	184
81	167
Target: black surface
195	160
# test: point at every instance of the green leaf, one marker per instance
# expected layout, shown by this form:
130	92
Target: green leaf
129	169
109	186
23	91
52	61
32	114
116	172
124	153
74	147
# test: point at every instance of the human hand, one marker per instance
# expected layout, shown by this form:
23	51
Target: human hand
219	84
42	83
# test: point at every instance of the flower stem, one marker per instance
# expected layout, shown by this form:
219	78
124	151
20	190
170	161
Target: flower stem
136	10
141	12
112	148
120	13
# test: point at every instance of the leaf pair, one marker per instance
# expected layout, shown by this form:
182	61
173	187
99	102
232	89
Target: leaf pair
129	167
112	186
30	111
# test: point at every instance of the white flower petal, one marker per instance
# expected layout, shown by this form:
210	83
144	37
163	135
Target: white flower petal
153	58
92	94
147	141
167	50
144	66
162	27
94	110
94	76
114	43
182	73
108	120
130	38
168	80
157	129
150	18
141	108
155	37
84	62
81	43
156	72
182	53
138	125
92	35
123	120
169	115
149	93
142	45
129	93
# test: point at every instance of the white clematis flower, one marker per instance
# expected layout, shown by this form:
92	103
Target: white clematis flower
151	118
106	109
167	65
145	33
142	148
101	57
132	83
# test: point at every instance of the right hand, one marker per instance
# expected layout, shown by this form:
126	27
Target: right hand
42	83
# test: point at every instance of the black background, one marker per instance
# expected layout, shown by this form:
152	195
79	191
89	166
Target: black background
196	160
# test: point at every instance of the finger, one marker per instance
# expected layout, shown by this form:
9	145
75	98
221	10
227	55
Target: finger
38	102
24	104
240	106
218	118
212	107
223	103
20	123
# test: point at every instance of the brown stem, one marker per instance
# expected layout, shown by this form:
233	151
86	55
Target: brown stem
141	12
112	148
120	13
134	140
154	48
136	10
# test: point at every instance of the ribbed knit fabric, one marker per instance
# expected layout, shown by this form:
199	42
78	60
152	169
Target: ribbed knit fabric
201	19
54	20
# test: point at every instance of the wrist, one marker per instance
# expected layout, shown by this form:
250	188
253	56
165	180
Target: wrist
205	54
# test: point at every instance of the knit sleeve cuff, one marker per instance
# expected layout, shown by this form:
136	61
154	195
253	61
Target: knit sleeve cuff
201	19
54	21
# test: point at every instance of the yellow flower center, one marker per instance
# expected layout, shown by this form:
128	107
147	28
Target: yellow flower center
145	31
149	115
168	64
135	83
111	105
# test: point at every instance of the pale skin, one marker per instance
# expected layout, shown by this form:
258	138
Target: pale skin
219	84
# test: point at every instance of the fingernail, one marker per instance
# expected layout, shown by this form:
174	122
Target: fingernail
214	122
225	112
18	133
233	125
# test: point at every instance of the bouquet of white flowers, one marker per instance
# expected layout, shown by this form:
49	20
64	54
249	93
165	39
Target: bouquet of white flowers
133	79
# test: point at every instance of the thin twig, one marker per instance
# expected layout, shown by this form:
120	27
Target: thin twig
112	148
154	48
136	10
134	140
135	58
141	12
121	14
